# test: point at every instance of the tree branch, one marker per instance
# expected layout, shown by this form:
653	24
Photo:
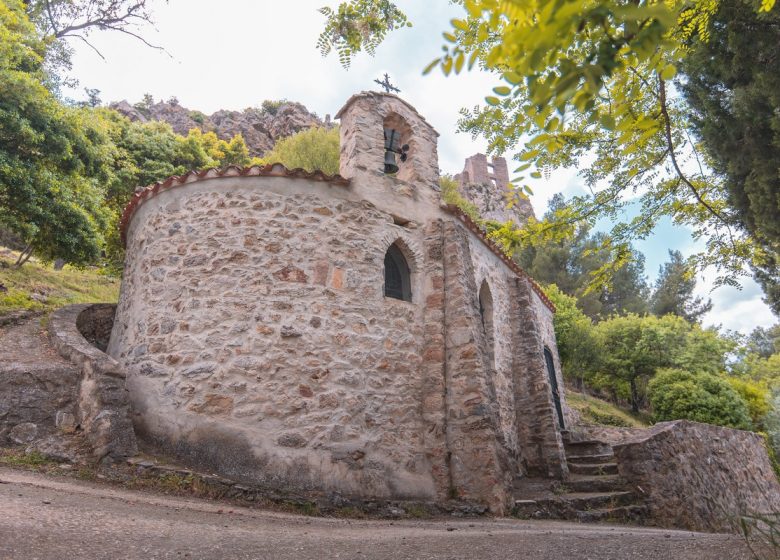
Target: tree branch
670	144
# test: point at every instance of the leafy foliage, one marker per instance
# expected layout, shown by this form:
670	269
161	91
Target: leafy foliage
357	25
677	394
756	397
312	149
572	262
451	195
579	347
591	79
732	84
62	19
674	291
53	159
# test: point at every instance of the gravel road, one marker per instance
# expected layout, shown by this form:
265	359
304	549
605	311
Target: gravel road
49	517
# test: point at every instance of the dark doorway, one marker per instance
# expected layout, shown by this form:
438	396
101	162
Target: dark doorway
554	386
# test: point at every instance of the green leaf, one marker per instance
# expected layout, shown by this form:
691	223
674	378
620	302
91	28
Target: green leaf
490	100
459	60
502	90
433	64
460	24
668	72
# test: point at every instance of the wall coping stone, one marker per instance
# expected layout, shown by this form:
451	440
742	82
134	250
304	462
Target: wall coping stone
270	170
103	403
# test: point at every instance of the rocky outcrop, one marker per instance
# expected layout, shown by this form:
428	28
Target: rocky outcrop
260	127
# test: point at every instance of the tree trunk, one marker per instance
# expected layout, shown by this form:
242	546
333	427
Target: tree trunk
634	396
24	256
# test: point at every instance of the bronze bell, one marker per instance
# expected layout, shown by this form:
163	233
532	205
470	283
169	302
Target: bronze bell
390	165
391	141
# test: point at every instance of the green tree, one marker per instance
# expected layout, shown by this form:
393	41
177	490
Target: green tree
764	341
732	84
63	19
703	397
53	159
579	347
312	149
589	79
571	262
674	291
636	347
756	397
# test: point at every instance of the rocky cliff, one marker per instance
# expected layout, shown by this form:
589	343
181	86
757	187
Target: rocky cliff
260	127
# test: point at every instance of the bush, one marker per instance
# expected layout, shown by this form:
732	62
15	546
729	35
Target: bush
312	149
682	395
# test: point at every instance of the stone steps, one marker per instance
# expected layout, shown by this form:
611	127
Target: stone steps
593	468
633	512
596	483
602	458
587	447
576	505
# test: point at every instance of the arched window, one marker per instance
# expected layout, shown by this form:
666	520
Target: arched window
486	315
397	275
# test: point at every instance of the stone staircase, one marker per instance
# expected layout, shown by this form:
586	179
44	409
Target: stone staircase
594	490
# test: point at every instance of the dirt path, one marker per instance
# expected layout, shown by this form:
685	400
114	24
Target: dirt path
47	517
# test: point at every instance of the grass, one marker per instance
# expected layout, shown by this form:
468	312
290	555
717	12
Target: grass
38	287
593	410
18	458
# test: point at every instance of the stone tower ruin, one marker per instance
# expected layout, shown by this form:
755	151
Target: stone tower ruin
485	183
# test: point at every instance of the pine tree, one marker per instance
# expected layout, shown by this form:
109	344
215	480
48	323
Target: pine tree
674	291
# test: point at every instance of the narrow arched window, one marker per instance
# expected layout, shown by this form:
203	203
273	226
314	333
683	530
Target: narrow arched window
486	315
397	276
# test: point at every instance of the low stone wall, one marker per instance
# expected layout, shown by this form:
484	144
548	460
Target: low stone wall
95	323
103	405
698	476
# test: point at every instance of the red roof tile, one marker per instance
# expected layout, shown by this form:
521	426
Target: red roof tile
270	170
480	233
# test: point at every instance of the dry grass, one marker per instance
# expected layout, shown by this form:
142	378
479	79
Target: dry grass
596	411
38	287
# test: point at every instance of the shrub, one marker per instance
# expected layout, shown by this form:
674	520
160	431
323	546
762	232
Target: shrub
682	395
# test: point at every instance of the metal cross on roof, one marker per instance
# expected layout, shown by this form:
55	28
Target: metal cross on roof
388	87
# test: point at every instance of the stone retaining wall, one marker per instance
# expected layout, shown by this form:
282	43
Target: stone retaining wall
698	476
103	406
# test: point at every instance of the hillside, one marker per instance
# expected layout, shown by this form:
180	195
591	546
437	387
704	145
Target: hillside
38	287
261	126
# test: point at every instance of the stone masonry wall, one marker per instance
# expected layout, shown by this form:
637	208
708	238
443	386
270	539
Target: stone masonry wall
698	476
523	327
259	343
479	462
262	315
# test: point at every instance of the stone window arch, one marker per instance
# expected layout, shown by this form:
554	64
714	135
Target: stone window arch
486	316
398	275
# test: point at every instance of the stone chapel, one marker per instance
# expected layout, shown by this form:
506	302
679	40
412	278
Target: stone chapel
345	334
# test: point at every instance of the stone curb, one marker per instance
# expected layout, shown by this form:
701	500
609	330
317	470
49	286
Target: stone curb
103	404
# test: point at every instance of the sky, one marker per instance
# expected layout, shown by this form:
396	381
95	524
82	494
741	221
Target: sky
235	54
